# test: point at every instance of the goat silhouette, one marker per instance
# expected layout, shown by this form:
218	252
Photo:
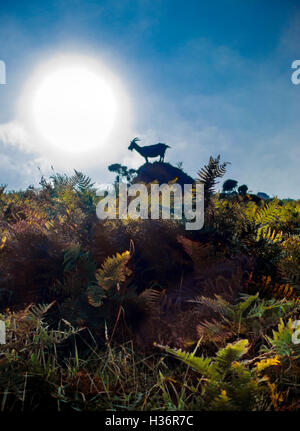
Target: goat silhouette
149	150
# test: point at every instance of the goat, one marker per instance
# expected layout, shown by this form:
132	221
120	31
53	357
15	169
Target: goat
149	150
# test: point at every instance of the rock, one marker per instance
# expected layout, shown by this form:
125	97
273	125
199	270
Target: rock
162	172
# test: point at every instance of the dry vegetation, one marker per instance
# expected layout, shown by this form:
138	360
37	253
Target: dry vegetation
145	315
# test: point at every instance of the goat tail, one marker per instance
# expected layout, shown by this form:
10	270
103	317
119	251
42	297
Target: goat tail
165	145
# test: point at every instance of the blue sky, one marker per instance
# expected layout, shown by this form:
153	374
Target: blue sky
207	78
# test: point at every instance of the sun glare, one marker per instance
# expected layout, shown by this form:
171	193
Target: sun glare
75	103
74	108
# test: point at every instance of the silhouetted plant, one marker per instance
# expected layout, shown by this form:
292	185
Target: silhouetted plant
242	190
229	186
122	172
209	175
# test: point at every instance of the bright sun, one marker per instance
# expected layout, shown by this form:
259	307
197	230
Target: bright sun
74	108
73	104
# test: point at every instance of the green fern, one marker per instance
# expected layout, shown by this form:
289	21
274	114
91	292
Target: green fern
222	402
266	218
202	365
251	315
227	384
229	354
282	339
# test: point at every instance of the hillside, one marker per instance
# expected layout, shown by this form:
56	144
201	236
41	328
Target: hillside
96	310
162	172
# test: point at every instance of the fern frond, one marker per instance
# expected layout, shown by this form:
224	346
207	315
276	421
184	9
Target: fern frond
37	311
214	331
277	290
229	354
268	234
195	249
268	214
202	365
152	297
266	219
209	174
222	402
81	181
113	271
71	256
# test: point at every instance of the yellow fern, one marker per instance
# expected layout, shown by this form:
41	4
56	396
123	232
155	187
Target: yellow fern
113	271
